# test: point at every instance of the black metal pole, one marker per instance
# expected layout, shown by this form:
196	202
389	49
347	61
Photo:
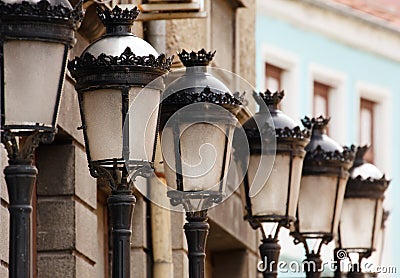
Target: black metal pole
313	265
269	251
355	272
338	265
196	231
121	204
20	179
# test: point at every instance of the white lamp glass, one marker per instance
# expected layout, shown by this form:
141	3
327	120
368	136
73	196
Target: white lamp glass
271	199
31	81
318	198
355	231
297	166
201	145
143	116
103	117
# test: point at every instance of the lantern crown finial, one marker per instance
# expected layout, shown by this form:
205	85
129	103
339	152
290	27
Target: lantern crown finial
271	99
319	123
359	160
117	20
193	59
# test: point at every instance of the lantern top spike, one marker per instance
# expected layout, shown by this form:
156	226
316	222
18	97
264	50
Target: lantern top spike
117	20
271	99
360	153
319	123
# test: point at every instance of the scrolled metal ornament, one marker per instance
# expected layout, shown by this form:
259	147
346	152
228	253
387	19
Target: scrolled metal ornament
23	151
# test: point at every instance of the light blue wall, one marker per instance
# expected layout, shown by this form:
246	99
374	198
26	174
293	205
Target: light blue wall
358	65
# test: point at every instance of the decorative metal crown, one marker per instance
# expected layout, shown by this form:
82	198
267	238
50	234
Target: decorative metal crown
206	95
193	59
118	16
317	123
320	155
296	132
269	98
127	58
43	9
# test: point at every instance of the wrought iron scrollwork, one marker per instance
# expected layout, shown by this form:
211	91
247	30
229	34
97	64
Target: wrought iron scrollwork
205	199
23	150
120	178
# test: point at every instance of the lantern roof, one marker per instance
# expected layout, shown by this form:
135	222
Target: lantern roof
365	180
118	37
362	169
119	57
196	85
323	149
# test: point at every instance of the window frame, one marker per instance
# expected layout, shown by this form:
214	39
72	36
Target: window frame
369	105
322	90
383	124
336	80
290	64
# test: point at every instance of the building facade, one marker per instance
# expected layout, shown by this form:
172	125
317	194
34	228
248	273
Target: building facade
70	217
340	59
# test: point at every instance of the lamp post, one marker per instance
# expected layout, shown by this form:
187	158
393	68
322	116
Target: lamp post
271	197
197	124
119	117
322	189
35	38
364	196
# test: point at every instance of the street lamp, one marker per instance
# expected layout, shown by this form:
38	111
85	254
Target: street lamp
364	197
119	117
197	122
322	189
271	197
35	38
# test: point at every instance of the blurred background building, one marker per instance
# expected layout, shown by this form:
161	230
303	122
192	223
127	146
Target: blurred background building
339	58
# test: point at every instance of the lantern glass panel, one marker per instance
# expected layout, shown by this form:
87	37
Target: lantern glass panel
31	81
356	230
317	202
272	198
103	117
378	224
376	257
297	166
339	204
143	116
202	154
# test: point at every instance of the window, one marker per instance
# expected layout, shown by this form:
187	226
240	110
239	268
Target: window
321	99
367	108
273	77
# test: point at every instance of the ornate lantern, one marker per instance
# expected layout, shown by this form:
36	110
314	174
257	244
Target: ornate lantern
119	104
323	184
271	197
362	213
197	123
35	38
